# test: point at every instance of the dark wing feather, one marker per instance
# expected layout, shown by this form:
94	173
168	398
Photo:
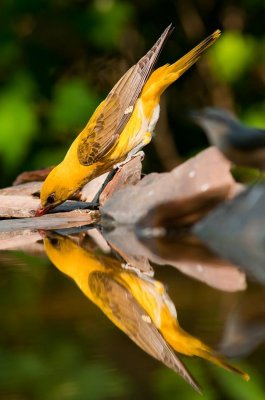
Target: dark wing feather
126	311
116	110
245	138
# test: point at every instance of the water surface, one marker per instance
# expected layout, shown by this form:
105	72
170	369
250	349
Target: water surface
66	304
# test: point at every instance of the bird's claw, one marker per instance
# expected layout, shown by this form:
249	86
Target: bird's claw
94	206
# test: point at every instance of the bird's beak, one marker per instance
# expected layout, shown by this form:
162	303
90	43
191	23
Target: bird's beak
42	233
42	210
195	115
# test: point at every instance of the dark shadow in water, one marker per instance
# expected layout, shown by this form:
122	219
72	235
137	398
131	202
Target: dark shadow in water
235	231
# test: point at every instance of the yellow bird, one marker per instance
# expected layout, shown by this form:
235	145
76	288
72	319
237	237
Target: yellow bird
136	304
121	125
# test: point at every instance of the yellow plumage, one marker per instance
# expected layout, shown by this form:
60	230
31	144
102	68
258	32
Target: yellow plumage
121	125
136	304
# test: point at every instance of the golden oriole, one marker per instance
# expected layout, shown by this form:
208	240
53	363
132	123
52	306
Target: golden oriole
121	125
136	304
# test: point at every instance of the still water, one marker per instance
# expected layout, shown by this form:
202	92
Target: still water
88	314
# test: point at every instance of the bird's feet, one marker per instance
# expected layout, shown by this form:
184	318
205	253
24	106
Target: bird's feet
94	206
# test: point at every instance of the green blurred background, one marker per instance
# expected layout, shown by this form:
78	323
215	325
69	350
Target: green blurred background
59	58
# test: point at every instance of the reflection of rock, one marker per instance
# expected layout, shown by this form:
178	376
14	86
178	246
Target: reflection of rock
99	240
25	240
186	253
134	262
235	230
245	326
59	220
181	196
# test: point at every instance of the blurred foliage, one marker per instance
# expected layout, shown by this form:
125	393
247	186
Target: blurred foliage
32	375
106	20
165	386
65	114
240	51
216	383
18	122
59	59
255	115
254	389
247	175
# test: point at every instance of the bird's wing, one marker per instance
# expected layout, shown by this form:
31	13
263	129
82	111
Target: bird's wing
127	313
115	111
245	138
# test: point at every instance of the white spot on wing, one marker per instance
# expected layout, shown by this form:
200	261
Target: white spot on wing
146	318
128	110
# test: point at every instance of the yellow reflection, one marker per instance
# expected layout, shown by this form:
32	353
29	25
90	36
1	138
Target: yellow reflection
137	304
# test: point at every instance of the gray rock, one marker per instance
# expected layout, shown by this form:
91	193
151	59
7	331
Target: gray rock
191	188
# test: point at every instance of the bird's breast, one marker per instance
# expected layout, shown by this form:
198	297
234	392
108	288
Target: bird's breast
145	125
154	119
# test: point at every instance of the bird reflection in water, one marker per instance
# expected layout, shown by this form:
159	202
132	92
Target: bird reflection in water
136	303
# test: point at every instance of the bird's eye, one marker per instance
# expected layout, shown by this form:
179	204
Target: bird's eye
55	243
51	198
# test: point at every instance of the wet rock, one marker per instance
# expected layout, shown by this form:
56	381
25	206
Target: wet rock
22	200
89	191
235	231
181	196
18	206
24	189
14	204
129	174
32	176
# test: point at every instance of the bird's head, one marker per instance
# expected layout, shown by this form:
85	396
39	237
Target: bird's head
216	122
61	251
215	114
55	190
54	243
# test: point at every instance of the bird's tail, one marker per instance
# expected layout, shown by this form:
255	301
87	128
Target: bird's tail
189	345
162	77
209	355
